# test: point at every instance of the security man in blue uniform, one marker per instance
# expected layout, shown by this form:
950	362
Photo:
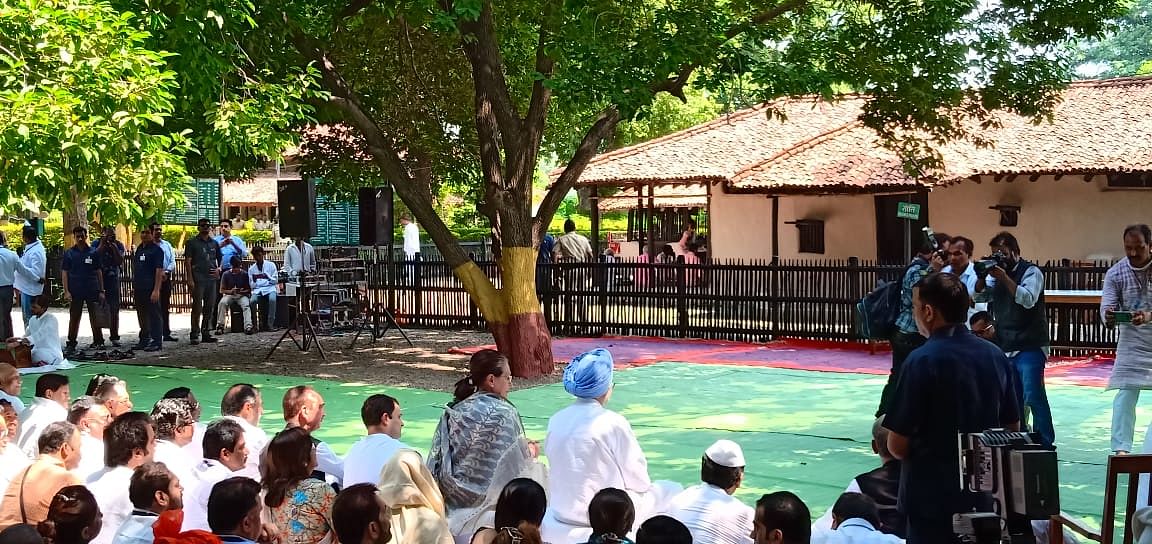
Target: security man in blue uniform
147	277
955	383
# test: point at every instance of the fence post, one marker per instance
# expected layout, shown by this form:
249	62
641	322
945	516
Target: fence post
774	296
681	297
853	291
602	291
417	290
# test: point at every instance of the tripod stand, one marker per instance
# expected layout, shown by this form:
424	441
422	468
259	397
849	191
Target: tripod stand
302	325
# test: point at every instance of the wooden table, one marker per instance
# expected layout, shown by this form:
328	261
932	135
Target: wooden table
1072	297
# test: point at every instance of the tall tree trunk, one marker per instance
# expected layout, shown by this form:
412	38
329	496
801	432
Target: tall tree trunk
513	313
75	214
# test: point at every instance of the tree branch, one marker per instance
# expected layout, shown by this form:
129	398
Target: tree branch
382	152
601	129
488	70
675	85
353	7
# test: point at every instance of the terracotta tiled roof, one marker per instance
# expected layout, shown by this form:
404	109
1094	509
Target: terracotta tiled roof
718	149
1099	126
260	189
693	195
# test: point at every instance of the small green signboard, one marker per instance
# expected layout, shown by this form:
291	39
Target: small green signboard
337	223
202	199
908	210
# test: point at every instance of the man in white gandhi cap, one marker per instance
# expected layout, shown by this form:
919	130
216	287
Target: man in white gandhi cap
709	510
590	448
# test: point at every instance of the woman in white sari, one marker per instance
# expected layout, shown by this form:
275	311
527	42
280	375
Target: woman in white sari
479	446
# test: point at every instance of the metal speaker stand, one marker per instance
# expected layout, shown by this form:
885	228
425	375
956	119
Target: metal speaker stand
301	326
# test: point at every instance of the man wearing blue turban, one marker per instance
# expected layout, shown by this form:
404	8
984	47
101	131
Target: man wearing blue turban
590	448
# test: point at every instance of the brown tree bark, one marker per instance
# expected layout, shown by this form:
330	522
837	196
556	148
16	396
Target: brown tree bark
75	214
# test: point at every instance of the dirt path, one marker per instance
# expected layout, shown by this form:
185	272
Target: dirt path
389	361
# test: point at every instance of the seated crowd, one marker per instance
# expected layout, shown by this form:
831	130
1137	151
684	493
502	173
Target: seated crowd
94	470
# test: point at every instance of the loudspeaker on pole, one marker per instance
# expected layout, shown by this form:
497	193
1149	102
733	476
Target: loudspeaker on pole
296	204
375	216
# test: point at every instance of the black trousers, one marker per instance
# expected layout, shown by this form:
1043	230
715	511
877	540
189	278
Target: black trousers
203	308
165	304
903	344
75	310
112	298
148	314
7	295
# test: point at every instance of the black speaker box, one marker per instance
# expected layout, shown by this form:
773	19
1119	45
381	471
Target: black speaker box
296	205
375	216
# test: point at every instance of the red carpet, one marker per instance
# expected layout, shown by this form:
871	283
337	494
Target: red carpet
632	351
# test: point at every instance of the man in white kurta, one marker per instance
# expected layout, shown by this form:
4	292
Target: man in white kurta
225	453
91	418
130	442
590	448
48	407
709	510
1126	290
43	333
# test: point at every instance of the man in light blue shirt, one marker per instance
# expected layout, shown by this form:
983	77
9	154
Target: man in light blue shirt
166	285
229	245
30	277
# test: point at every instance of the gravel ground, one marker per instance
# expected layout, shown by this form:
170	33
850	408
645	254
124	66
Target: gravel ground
428	364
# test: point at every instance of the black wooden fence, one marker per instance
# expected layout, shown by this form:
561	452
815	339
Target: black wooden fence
733	300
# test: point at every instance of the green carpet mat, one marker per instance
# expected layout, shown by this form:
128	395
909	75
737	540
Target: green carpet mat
807	432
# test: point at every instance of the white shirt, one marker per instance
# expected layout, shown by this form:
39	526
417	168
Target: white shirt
12	463
855	531
969	279
9	262
367	457
175	458
137	529
44	335
256	440
411	240
91	457
205	475
590	448
35	265
17	404
329	463
294	261
110	487
40	414
712	515
195	448
267	284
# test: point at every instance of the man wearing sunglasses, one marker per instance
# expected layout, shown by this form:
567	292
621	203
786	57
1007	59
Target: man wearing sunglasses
83	282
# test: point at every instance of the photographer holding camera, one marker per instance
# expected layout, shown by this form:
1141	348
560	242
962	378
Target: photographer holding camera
1124	305
1014	290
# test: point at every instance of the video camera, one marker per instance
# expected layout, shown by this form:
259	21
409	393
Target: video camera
985	264
1018	477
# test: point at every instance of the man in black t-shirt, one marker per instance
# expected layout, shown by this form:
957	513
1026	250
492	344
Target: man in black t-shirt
235	287
147	275
954	383
202	270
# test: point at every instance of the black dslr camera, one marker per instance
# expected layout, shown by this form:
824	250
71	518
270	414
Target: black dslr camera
937	250
985	264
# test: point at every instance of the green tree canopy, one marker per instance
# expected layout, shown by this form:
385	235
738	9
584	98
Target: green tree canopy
83	104
1126	51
